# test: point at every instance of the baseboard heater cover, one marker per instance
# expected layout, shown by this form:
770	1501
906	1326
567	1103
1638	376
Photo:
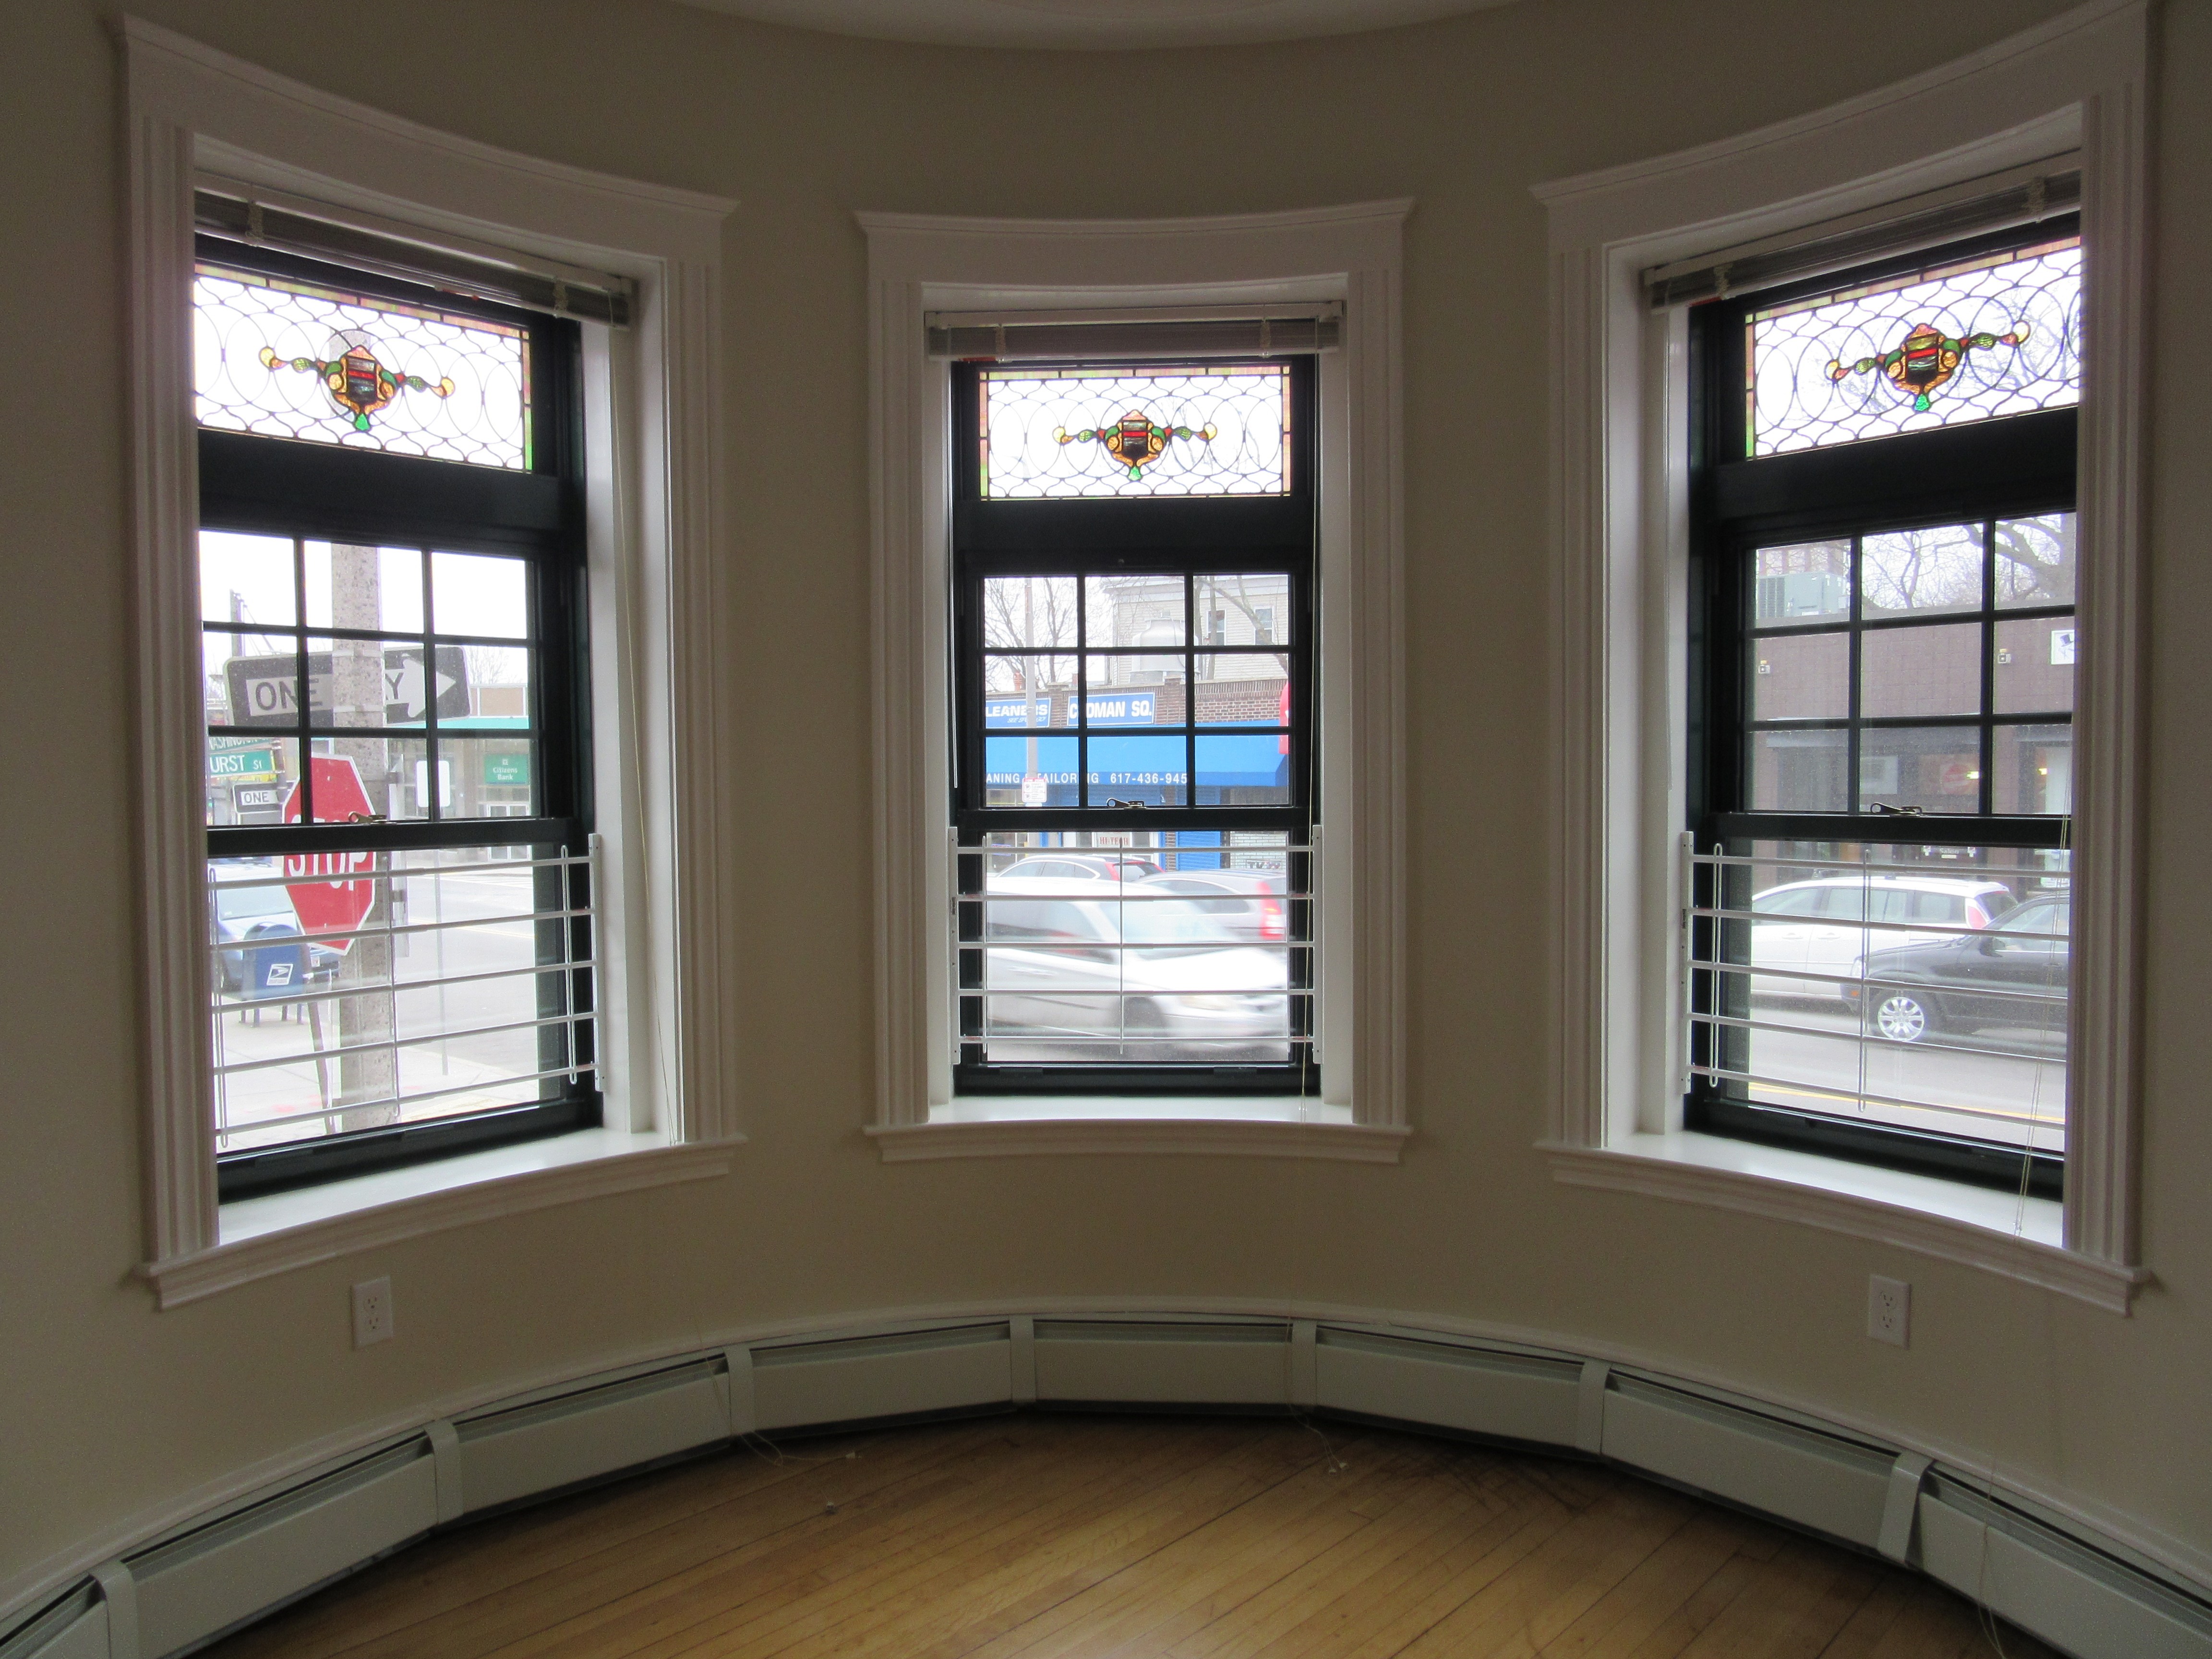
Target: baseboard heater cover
75	1627
1506	1396
1825	1481
191	1584
902	1374
2076	1598
189	1587
1163	1362
506	1455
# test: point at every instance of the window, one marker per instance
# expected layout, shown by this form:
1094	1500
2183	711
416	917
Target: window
1133	787
1883	579
1253	290
397	811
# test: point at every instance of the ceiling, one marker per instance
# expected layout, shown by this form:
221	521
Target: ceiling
1092	25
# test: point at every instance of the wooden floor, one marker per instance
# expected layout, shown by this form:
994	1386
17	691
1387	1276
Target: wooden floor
1043	1535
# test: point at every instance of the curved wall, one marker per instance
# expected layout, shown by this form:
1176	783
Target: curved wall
109	1409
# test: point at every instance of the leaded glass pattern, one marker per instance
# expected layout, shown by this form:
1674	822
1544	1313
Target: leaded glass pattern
283	359
1963	342
1188	429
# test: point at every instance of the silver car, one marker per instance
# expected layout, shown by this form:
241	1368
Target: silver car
1149	977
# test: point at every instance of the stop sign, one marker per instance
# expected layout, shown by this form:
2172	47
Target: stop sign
345	892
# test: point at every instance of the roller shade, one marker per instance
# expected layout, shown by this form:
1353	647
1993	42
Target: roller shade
593	297
2023	196
1044	336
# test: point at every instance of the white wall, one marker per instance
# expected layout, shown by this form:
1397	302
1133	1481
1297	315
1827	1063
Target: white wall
107	1407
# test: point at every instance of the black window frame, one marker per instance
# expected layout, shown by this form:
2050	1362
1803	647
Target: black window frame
2010	466
307	490
1185	535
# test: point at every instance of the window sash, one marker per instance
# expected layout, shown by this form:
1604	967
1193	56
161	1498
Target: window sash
305	490
2013	466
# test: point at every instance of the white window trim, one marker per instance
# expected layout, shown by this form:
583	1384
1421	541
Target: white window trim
653	415
1619	488
918	263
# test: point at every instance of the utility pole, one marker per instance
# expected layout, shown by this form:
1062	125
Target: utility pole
357	700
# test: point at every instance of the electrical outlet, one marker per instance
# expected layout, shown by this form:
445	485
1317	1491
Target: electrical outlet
1889	1310
372	1312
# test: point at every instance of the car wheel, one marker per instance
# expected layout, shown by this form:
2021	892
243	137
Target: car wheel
1904	1017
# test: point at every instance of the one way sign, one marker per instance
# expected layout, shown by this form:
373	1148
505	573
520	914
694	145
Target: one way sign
265	691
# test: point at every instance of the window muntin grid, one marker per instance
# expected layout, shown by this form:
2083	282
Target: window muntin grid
288	359
1928	670
1134	707
1184	429
414	667
1958	343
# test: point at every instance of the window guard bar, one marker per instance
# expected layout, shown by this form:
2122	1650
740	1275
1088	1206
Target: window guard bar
221	1004
397	1099
322	1113
556	861
1702	874
1870	865
1299	1033
320	1056
1991	1114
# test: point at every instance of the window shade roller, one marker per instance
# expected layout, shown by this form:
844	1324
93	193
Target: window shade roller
2024	196
1017	337
593	297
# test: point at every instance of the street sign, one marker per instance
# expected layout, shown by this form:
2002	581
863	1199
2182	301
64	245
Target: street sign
265	691
341	888
243	766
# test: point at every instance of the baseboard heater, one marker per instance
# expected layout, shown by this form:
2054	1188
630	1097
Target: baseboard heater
540	1447
1127	1362
1814	1478
1501	1394
863	1379
199	1581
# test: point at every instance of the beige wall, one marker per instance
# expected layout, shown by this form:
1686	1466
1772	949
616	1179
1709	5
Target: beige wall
107	1407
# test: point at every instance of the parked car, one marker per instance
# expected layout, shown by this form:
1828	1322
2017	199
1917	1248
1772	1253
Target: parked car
2014	973
1161	979
1077	873
1248	903
259	933
1828	924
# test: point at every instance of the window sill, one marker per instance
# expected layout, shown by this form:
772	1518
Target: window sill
260	1236
1012	1126
2020	1238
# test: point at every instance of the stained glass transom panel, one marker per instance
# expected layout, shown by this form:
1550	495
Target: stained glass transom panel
1189	429
1965	342
289	360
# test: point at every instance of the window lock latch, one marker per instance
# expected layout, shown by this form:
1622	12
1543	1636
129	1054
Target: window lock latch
1137	805
1883	809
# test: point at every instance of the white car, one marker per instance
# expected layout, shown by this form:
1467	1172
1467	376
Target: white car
1153	978
1828	925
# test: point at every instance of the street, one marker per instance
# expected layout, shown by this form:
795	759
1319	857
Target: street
2017	1097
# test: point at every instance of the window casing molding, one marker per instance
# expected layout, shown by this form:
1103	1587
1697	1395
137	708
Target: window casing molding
1620	531
651	400
920	263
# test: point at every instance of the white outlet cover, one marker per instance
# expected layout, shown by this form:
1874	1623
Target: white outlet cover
372	1312
1889	1310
